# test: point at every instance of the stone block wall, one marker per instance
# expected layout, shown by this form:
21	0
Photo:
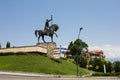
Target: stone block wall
24	49
50	46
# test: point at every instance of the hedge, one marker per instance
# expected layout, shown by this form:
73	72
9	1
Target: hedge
106	74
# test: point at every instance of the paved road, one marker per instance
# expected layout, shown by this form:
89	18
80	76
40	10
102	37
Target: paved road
36	76
13	77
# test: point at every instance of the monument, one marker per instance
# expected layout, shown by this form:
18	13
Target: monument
48	31
43	47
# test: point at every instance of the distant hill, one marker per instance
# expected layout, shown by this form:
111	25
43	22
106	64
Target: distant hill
113	59
38	64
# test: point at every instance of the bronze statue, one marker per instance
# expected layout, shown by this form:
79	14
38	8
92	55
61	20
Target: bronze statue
47	25
48	31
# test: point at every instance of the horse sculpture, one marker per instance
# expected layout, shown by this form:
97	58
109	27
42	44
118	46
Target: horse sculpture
41	33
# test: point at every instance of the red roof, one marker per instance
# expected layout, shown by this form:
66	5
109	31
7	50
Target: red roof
96	51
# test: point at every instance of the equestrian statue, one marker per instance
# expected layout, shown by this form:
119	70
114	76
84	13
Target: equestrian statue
48	31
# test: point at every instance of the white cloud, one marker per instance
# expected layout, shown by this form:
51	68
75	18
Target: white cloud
109	50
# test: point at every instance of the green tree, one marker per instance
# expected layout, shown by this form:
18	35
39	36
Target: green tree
0	45
77	49
70	45
90	65
8	45
109	66
97	64
84	60
117	66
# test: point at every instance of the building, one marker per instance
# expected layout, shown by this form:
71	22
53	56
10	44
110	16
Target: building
96	53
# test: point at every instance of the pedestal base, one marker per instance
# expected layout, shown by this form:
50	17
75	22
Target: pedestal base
50	46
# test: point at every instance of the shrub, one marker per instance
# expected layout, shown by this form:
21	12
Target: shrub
12	53
20	53
6	54
117	66
90	67
105	74
117	74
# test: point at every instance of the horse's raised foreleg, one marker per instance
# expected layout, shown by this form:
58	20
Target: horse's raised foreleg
43	39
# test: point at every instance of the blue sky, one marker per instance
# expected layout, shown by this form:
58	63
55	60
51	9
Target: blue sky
99	18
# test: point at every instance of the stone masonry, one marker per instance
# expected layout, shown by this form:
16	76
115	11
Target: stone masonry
24	49
50	46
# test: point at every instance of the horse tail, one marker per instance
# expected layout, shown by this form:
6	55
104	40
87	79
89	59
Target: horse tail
36	32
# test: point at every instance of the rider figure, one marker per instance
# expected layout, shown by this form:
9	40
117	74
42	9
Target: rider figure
46	29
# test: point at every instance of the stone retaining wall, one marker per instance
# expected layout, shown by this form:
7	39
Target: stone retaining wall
47	48
24	49
50	46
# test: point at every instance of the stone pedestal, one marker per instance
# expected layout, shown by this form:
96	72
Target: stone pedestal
50	46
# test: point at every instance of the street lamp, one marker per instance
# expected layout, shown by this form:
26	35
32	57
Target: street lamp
77	74
81	28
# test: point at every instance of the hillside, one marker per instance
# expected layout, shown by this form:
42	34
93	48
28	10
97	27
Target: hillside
38	63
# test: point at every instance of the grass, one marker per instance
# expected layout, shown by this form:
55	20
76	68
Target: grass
39	64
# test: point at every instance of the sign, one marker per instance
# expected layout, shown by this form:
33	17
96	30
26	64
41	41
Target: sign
63	50
56	50
56	54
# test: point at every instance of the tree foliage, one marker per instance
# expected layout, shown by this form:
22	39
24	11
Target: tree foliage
117	66
8	45
96	64
109	67
70	45
78	49
0	45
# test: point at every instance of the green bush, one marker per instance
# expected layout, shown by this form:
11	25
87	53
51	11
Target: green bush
117	73
105	74
12	53
6	54
20	53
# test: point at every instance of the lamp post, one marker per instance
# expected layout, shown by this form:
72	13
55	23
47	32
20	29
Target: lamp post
77	72
81	28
